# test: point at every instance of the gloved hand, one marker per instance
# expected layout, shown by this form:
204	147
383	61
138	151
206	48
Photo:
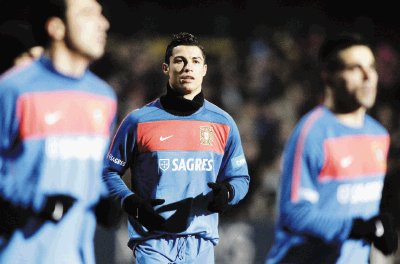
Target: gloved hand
108	212
379	230
178	221
222	194
56	207
387	241
11	217
143	211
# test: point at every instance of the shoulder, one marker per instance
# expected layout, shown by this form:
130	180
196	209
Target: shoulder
146	113
217	114
317	118
19	75
99	85
374	125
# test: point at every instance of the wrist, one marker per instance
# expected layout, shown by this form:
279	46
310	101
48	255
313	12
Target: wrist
131	203
362	229
231	191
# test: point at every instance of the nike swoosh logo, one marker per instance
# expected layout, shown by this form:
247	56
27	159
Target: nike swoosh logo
346	162
165	138
52	118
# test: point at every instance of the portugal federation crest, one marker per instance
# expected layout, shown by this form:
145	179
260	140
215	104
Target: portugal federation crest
206	135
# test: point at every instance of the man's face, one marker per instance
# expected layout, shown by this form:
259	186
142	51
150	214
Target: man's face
86	31
186	70
354	85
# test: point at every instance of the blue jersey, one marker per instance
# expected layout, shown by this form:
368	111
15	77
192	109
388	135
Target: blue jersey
174	157
55	131
332	173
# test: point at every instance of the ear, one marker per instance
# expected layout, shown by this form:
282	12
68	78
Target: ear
165	68
204	70
55	28
326	78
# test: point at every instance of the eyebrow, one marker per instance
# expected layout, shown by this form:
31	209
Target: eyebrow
193	58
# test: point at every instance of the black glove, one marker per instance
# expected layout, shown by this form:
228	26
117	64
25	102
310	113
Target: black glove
178	221
143	211
108	212
11	217
387	241
222	195
56	207
379	230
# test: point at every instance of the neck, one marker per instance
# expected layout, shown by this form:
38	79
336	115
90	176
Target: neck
351	116
188	96
355	119
176	104
67	62
352	119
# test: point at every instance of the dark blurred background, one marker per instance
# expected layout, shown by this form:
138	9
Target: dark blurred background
234	17
262	70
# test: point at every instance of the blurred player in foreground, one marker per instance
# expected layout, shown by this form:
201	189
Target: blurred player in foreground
55	126
334	167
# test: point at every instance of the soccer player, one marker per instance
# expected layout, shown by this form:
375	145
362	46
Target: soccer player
56	118
334	166
186	161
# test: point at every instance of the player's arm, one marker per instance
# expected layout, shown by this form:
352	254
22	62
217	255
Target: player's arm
299	195
9	122
232	183
119	157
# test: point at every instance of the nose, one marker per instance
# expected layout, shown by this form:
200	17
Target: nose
105	25
188	66
368	72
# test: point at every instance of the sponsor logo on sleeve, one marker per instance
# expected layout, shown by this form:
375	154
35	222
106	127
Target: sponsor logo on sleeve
238	161
309	195
116	160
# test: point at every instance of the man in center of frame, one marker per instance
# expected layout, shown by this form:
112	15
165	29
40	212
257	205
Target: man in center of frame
187	165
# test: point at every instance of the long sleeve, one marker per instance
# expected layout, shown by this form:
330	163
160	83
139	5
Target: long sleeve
235	170
301	210
118	159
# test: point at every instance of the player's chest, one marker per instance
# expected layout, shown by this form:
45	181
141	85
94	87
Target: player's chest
349	157
182	135
62	112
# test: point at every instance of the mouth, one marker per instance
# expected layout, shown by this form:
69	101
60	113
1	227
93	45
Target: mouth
102	39
186	79
368	88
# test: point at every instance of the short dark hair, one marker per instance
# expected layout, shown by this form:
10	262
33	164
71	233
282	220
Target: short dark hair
40	12
329	50
182	38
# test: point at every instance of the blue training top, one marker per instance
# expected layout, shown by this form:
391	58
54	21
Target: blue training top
332	173
55	131
173	158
